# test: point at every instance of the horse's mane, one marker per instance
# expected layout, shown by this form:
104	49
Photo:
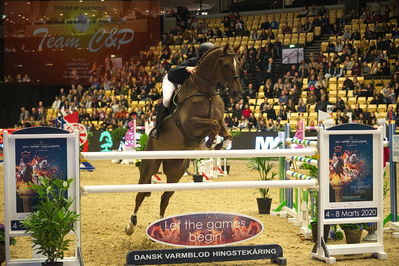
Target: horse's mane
205	54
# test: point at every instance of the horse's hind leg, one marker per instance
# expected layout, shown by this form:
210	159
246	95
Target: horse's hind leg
174	170
147	169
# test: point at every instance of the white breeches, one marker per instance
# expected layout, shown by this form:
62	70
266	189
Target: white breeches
167	91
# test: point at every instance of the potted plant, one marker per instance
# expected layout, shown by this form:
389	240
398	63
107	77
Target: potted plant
51	220
143	143
264	167
353	232
197	177
2	243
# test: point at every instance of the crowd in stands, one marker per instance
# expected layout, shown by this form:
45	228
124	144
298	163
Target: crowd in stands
364	59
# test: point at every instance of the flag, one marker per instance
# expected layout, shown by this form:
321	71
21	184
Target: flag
323	116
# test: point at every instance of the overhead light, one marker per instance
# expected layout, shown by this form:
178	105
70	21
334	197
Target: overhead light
28	3
61	14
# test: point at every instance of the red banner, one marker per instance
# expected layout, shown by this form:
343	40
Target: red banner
204	229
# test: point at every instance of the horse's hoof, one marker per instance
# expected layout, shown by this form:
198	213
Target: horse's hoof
129	229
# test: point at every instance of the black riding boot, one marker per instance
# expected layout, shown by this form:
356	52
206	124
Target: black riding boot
161	114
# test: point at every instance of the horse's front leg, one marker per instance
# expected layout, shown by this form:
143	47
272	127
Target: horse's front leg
225	133
206	127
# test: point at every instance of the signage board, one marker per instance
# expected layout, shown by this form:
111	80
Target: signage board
395	148
210	255
350	179
204	229
32	153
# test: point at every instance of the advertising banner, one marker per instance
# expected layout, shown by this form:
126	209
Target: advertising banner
204	229
37	158
204	254
351	168
76	41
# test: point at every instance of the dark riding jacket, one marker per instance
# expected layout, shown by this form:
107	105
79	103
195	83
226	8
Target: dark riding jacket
179	74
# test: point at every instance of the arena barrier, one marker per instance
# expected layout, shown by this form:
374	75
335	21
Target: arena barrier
197	154
300	200
189	154
294	202
199	186
334	211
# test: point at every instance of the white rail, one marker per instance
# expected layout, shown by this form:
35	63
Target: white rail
199	186
189	154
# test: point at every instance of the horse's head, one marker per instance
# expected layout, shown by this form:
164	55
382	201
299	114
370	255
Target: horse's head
230	70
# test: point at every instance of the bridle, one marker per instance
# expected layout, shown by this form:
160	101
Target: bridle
234	77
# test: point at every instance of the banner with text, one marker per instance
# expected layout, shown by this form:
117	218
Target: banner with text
204	229
76	41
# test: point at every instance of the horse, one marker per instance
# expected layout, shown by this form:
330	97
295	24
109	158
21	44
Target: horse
199	113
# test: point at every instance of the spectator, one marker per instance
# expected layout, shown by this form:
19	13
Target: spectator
56	103
302	106
391	115
270	112
24	115
270	125
365	69
246	111
265	25
274	24
286	29
252	122
291	106
322	104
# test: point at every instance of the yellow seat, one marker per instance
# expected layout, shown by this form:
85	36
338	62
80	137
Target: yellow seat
381	108
342	93
362	100
371	107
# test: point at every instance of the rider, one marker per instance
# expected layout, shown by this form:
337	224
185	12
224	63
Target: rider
176	76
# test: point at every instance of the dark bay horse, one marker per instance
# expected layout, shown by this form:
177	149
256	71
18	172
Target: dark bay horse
199	113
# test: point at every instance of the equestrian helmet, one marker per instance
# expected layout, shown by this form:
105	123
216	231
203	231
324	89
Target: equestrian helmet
204	47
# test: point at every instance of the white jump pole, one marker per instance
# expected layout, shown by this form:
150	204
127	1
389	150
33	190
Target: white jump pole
189	154
199	186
